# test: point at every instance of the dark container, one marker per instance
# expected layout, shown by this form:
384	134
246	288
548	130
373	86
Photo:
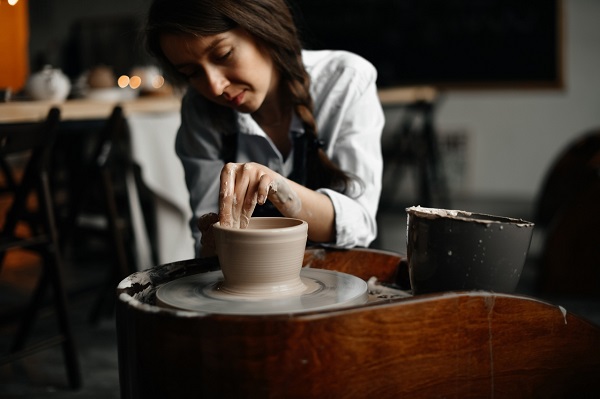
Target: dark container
450	250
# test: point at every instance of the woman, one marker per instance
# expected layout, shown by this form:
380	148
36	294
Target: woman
266	126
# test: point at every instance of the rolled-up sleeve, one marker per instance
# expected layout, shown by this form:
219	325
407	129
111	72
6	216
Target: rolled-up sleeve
351	121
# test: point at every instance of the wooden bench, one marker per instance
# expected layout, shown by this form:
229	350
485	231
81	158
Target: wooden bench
453	345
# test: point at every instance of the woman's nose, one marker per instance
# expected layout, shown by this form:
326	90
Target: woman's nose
216	82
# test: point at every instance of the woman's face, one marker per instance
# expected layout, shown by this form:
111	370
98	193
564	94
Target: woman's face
229	68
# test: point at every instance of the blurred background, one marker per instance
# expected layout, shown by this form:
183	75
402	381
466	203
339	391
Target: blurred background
500	131
506	133
482	101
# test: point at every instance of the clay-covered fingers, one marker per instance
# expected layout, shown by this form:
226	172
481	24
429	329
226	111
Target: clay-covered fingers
247	194
265	183
227	194
242	187
232	196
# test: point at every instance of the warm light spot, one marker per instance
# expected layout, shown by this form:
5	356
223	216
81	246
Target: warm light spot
123	81
158	82
135	82
13	2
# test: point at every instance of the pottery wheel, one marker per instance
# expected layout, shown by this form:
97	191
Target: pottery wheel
325	290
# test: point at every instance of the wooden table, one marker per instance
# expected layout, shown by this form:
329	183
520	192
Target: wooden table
81	109
407	95
84	109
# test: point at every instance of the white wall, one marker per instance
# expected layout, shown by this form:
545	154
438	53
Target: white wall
517	134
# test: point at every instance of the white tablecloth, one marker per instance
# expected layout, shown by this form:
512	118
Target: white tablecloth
153	149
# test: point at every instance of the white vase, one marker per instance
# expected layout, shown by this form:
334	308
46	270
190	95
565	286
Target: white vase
49	84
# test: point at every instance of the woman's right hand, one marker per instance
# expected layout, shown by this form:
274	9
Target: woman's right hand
246	185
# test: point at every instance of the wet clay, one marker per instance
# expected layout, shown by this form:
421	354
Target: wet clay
264	259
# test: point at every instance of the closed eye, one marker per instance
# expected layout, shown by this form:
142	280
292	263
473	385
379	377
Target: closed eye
224	57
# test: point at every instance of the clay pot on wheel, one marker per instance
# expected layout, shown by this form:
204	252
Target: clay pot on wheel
264	259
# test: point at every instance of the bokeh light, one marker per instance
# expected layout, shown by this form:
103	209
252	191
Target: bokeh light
135	82
158	82
123	81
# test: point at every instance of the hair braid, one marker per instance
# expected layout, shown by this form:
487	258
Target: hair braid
321	171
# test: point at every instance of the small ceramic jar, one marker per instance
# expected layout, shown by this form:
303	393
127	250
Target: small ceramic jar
49	84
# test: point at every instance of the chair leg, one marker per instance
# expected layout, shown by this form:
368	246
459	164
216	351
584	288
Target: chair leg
60	300
53	263
120	268
31	313
51	275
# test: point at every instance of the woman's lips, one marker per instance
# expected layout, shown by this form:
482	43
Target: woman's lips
237	100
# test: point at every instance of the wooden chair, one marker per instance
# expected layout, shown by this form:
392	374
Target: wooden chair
567	212
569	263
99	204
454	344
30	225
571	172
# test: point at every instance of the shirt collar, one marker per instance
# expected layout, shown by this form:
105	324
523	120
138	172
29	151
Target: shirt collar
247	125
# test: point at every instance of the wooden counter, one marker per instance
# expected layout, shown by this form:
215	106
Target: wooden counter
82	109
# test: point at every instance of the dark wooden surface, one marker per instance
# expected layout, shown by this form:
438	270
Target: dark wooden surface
453	345
358	262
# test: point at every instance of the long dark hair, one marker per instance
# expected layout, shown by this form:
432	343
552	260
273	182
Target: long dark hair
272	24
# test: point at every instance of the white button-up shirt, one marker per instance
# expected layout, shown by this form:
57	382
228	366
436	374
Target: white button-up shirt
349	121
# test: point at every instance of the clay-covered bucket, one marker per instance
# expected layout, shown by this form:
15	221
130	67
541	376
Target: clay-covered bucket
450	250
